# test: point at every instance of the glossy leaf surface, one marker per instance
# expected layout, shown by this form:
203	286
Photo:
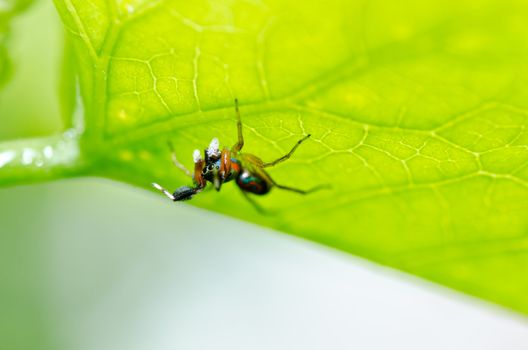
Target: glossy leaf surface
418	115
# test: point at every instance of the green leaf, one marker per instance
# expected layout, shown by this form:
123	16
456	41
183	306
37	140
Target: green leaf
418	114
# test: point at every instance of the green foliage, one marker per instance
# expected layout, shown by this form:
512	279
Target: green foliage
418	112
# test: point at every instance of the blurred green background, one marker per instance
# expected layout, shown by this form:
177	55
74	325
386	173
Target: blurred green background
29	104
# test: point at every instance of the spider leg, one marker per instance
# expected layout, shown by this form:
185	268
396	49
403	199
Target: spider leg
164	191
225	164
255	204
182	193
176	162
297	190
288	155
238	146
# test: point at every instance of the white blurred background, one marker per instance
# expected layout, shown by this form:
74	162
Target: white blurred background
91	264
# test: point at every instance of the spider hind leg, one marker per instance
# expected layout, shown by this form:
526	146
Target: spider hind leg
300	191
253	203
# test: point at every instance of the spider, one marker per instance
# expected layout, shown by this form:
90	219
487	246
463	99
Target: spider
217	167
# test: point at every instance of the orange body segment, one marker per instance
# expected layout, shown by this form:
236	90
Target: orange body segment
198	177
225	164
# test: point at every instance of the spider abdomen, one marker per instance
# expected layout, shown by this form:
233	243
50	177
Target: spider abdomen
250	182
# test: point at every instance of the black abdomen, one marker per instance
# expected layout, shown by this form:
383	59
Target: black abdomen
251	183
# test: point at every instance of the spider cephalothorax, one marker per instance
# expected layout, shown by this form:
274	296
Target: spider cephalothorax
220	166
217	166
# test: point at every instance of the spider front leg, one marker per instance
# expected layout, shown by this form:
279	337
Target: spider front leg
183	193
288	155
240	143
225	164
